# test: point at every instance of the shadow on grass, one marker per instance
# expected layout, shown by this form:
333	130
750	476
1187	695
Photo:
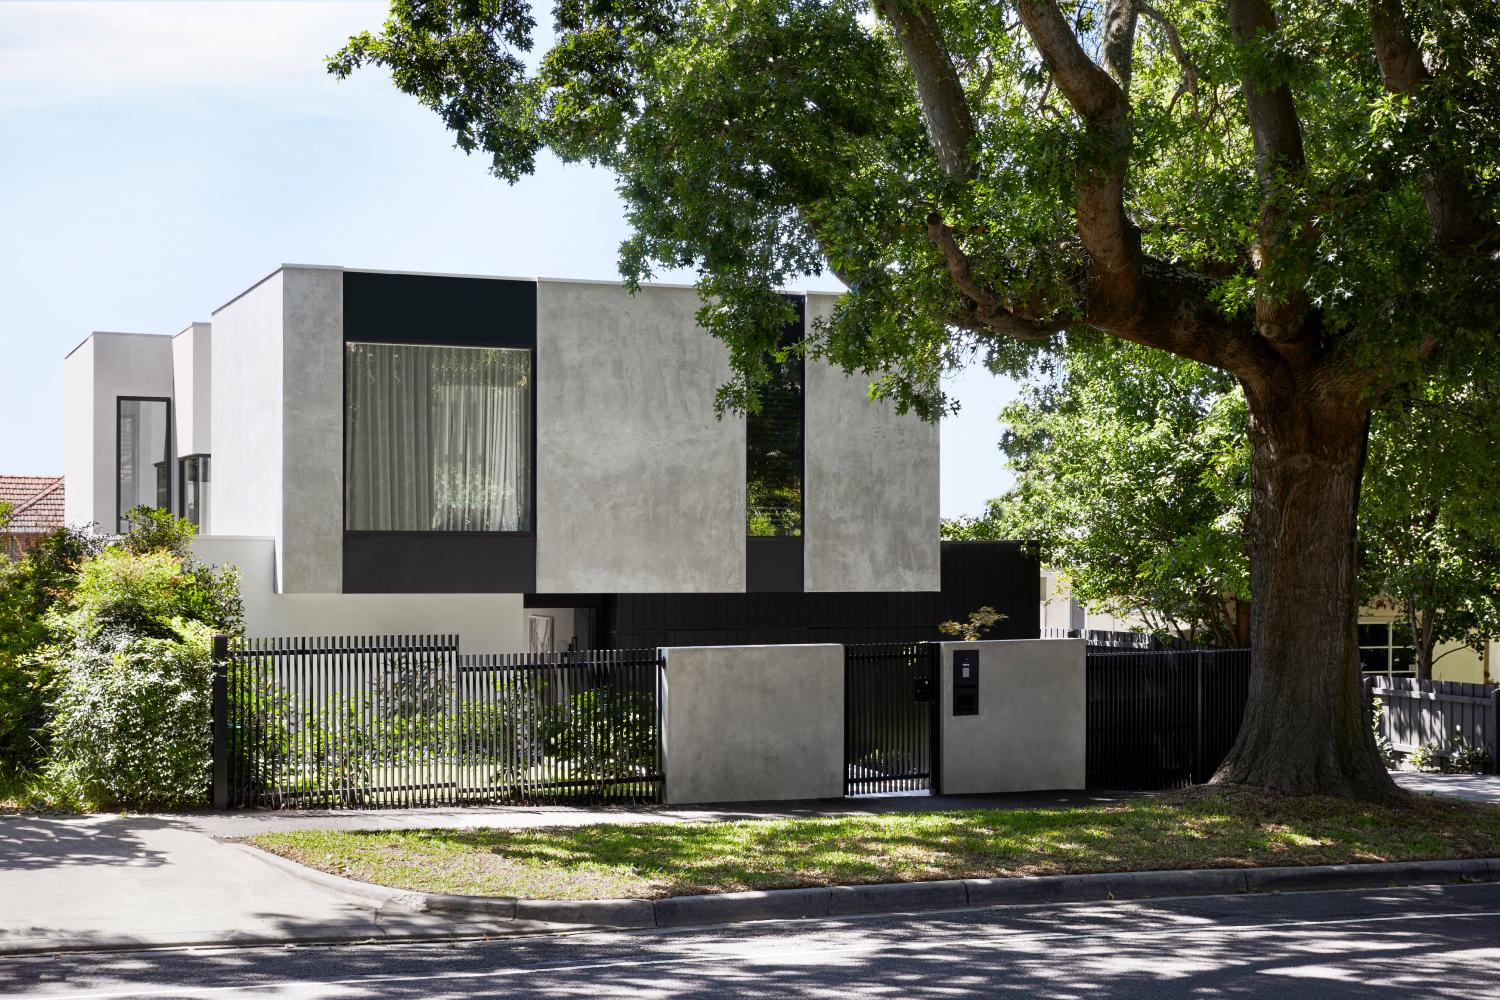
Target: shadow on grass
1196	829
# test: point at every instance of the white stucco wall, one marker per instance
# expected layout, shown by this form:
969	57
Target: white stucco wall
96	375
247	413
753	723
871	517
80	503
192	379
484	623
1031	728
640	489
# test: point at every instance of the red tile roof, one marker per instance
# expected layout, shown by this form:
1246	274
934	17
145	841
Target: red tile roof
36	503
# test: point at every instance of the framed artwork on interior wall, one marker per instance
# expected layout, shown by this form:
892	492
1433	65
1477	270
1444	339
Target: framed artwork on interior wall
540	633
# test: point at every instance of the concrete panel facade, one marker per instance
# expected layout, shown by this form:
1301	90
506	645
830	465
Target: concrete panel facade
871	492
485	623
192	378
246	407
640	489
1030	732
103	369
312	431
753	723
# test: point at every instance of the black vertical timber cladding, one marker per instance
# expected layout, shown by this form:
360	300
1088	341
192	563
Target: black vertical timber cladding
1001	575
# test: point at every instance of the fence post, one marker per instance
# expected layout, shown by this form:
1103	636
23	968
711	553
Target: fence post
219	707
1198	776
1494	731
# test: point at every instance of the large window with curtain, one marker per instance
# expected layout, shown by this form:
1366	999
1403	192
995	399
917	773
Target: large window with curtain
437	438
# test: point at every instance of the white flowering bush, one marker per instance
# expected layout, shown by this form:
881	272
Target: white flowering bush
131	727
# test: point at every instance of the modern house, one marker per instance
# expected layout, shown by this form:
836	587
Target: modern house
524	463
30	507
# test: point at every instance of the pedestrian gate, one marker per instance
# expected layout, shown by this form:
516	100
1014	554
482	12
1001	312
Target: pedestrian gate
891	699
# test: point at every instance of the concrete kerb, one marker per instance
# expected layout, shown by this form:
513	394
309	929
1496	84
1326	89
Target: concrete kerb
903	897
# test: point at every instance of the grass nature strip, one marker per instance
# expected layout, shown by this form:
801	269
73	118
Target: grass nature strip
1199	828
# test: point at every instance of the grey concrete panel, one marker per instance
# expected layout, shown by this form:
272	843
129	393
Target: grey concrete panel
871	516
1030	732
312	520
247	413
640	489
753	723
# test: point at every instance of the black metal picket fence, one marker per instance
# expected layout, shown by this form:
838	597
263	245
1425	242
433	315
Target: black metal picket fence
399	721
1162	719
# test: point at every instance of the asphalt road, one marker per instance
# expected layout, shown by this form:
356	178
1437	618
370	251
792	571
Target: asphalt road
1428	942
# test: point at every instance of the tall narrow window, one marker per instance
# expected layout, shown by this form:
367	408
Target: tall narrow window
773	468
194	479
143	457
437	438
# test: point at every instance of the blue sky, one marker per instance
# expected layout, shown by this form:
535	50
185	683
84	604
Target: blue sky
158	158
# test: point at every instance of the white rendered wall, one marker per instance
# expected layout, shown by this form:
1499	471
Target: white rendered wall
871	517
1031	728
192	377
484	623
80	503
246	413
753	723
96	375
640	489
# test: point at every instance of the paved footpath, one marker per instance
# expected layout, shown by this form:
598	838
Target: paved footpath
1350	945
110	881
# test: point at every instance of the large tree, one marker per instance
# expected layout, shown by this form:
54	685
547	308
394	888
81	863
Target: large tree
1302	196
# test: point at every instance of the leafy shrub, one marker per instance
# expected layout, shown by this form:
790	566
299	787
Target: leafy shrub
1382	741
1466	758
142	593
29	588
132	720
1427	758
603	733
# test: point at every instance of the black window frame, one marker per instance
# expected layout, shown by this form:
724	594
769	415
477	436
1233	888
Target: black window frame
382	307
120	526
202	458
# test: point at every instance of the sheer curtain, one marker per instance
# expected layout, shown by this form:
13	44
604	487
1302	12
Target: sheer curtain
437	438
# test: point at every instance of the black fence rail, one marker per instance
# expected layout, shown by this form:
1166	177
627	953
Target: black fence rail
1162	719
1416	712
890	706
404	721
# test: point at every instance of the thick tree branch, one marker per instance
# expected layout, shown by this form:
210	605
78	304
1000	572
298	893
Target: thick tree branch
1280	313
1457	223
1119	40
944	104
1112	242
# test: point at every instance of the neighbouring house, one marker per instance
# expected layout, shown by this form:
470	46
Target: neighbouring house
524	463
1382	649
35	506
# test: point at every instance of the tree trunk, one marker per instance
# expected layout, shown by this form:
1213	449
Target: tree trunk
1421	639
1306	728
